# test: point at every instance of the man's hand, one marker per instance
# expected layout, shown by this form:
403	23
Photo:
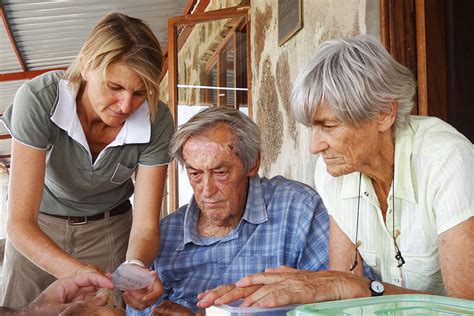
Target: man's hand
169	308
142	298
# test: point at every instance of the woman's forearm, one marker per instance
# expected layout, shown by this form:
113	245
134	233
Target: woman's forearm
35	245
143	245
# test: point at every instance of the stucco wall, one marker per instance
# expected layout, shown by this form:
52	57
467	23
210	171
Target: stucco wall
274	68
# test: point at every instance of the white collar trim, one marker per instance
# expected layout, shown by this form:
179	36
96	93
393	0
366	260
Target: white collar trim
136	130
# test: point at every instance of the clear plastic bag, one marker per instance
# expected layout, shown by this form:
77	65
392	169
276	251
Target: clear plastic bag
131	276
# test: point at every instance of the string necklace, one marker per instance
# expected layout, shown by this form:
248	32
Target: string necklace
358	242
398	253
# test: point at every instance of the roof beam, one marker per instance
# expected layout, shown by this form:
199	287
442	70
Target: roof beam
192	7
12	39
25	74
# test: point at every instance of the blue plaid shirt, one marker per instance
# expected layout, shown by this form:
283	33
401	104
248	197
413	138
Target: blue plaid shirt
284	223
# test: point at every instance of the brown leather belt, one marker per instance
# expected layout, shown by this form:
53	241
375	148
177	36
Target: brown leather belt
122	208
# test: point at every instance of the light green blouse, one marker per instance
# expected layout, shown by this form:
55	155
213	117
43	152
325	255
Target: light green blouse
434	184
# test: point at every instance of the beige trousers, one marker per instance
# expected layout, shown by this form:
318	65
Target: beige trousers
102	243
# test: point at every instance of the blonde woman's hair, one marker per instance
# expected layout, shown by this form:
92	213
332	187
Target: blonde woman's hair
357	78
120	38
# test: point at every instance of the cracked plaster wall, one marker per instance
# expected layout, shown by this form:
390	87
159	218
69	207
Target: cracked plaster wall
285	142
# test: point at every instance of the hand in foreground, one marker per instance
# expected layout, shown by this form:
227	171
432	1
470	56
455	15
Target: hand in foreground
142	298
225	294
170	308
229	293
67	292
301	287
85	308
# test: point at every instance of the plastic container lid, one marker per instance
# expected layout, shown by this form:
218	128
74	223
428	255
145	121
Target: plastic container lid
233	309
406	304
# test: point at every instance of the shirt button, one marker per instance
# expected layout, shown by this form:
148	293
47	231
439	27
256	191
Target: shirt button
396	281
366	193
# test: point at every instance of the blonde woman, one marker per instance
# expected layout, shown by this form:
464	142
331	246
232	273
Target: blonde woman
78	137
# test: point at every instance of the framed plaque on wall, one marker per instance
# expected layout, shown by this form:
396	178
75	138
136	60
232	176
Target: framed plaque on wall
290	19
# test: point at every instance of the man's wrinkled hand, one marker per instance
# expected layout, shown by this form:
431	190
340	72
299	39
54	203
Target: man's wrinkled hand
143	298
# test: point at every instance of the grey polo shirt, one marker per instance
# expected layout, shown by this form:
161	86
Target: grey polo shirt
43	115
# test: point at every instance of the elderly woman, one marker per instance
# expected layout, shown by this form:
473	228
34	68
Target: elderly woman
78	136
399	188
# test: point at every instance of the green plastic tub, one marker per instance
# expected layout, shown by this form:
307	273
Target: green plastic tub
393	305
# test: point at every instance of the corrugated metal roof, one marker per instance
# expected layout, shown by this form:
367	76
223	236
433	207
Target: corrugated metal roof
49	34
8	60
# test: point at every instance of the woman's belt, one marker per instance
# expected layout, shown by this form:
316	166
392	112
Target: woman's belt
122	208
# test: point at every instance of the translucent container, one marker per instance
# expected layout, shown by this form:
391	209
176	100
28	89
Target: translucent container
131	276
233	309
393	305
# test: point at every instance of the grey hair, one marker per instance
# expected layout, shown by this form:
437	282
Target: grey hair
247	140
357	78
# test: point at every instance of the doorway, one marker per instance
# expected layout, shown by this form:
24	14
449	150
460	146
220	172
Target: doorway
434	39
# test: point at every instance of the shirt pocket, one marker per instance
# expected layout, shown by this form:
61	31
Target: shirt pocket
121	174
422	272
369	264
369	257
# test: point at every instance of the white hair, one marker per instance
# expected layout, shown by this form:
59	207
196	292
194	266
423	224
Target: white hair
357	78
247	138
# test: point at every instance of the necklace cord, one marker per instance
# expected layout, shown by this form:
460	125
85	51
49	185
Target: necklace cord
357	243
398	253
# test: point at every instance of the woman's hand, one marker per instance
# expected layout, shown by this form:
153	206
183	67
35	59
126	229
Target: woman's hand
89	268
142	298
225	294
229	293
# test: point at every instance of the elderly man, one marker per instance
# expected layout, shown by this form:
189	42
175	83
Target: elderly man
236	223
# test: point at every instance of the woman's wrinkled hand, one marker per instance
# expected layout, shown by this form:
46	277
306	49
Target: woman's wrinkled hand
301	287
224	294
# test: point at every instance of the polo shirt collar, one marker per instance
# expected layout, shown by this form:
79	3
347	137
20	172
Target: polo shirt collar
404	188
136	130
255	213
